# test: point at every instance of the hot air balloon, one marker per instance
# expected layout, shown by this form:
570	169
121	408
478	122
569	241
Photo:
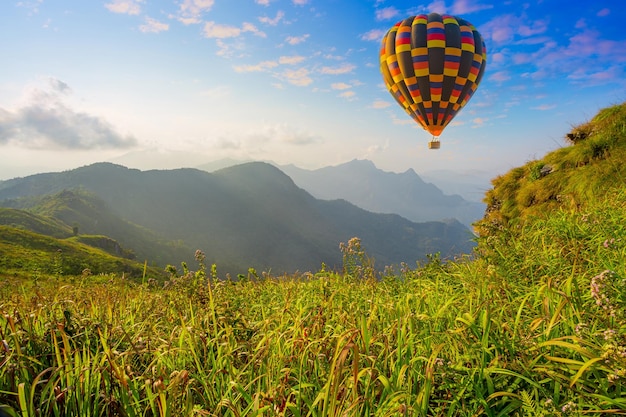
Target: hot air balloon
432	64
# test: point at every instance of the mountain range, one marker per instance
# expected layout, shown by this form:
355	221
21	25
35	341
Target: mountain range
406	194
248	215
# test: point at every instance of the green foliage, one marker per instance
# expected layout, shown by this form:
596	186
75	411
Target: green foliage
566	178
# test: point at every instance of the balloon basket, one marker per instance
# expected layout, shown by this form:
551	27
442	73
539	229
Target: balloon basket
434	144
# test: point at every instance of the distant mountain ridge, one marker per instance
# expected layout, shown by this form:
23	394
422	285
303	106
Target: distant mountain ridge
249	215
406	194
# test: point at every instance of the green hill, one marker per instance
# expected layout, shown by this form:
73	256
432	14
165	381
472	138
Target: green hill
29	221
24	252
250	215
43	244
593	166
81	213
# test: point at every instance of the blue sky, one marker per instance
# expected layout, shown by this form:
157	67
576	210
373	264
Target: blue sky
291	81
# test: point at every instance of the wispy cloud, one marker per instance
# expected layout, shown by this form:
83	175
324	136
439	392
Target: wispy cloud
132	7
291	60
300	2
387	13
272	21
31	6
468	6
550	59
217	92
265	66
373	35
260	67
46	121
299	77
153	26
216	30
295	40
380	104
544	107
342	69
191	11
500	76
508	28
284	133
340	86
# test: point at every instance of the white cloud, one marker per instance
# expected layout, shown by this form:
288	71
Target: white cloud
284	133
249	27
217	92
260	67
291	60
603	12
544	107
300	2
380	104
131	7
190	11
340	86
262	2
216	30
373	35
347	94
299	77
387	13
265	66
295	40
153	26
479	121
437	6
500	76
505	28
342	69
272	21
462	7
45	121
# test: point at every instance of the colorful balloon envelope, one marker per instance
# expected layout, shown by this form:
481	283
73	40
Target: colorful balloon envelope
432	64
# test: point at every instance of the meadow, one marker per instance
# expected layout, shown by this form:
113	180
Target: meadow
534	324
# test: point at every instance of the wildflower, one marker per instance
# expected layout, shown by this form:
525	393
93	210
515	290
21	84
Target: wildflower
579	328
609	334
607	243
568	407
599	293
199	256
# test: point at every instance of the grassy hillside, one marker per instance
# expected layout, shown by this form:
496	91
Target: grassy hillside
534	326
568	178
28	253
29	221
81	213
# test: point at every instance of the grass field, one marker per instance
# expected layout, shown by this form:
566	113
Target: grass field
533	324
536	325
